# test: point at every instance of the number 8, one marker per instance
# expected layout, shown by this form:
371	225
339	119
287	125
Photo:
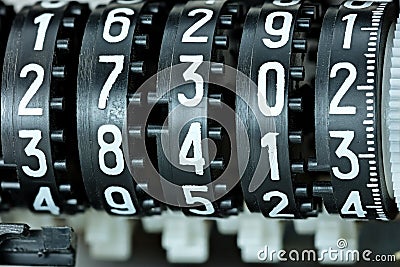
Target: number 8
110	147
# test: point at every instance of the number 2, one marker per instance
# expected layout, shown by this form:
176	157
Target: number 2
187	36
283	203
334	107
23	110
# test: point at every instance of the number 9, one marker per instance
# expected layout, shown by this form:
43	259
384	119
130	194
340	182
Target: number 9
284	31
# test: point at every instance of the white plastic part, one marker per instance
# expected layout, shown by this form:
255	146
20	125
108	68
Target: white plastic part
186	239
391	112
153	224
108	238
334	233
306	226
35	221
254	233
228	226
331	233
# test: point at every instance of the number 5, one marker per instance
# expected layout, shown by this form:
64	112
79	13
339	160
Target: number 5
187	191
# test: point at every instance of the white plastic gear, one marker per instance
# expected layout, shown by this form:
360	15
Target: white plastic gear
391	113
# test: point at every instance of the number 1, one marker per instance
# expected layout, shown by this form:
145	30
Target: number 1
43	21
348	34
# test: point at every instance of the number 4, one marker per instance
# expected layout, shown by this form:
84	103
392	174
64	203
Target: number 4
353	200
193	137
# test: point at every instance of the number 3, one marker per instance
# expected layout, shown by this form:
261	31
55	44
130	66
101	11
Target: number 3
31	150
344	151
191	75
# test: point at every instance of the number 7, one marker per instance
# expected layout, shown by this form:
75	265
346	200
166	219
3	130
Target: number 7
118	60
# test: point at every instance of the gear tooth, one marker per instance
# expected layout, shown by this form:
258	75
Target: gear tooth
393	104
396	62
394	170
394	127
395	72
395	150
393	114
396	52
394	82
395	93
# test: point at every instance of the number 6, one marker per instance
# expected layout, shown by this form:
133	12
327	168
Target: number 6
111	19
